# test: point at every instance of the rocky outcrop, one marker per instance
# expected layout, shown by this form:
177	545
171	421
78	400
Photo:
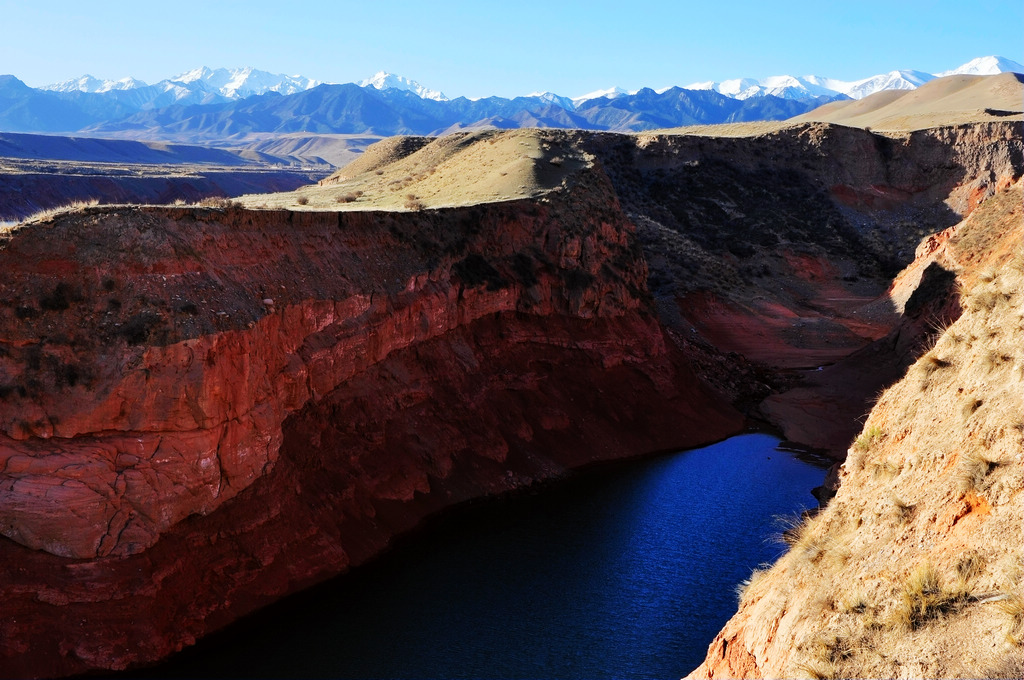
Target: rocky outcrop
204	410
914	568
781	249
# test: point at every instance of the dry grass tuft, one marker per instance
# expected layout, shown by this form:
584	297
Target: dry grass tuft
219	202
986	298
818	670
885	469
932	362
868	438
794	529
989	274
855	602
834	647
925	598
53	212
1013	607
970	406
744	586
904	511
970	566
975	467
1010	667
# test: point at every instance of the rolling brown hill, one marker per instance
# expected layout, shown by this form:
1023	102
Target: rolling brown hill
944	101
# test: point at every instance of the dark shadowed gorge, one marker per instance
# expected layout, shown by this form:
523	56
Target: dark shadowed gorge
203	410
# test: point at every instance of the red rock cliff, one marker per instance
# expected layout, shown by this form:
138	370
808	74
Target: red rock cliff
203	410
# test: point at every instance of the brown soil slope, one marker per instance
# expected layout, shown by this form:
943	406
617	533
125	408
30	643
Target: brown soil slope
915	568
954	99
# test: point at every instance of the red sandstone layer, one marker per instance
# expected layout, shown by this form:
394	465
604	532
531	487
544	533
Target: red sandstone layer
204	411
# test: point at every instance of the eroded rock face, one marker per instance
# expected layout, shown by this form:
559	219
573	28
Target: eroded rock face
203	410
207	410
781	249
116	439
914	568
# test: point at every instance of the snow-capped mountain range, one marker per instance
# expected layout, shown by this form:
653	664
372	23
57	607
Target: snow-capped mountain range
198	86
240	83
382	80
89	84
205	85
790	87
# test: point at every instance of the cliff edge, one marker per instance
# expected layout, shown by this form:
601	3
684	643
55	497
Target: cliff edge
915	567
204	410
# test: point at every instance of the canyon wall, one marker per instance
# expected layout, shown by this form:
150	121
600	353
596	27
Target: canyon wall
781	249
914	569
204	410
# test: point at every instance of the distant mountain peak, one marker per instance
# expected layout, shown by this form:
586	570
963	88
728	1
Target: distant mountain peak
200	82
985	66
609	93
382	80
799	87
88	83
239	83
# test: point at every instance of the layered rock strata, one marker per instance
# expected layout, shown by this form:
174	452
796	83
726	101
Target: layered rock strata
205	410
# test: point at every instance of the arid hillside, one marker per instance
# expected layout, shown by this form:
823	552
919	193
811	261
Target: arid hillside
945	101
915	568
205	409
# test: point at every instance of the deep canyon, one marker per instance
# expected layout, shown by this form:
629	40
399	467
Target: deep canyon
203	410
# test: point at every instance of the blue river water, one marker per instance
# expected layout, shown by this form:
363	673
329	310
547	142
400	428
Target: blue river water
627	571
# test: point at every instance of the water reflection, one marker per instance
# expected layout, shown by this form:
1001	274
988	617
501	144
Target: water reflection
626	572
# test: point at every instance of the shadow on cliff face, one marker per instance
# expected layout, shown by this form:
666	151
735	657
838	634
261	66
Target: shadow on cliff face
905	570
404	362
779	250
317	382
827	408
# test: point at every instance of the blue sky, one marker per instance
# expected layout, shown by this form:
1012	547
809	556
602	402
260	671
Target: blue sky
476	48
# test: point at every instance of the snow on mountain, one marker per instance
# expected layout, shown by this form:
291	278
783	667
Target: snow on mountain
556	99
894	80
985	66
382	80
89	84
793	87
786	87
610	93
240	83
197	84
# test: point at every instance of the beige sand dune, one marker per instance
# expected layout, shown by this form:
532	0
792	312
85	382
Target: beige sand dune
410	173
944	101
